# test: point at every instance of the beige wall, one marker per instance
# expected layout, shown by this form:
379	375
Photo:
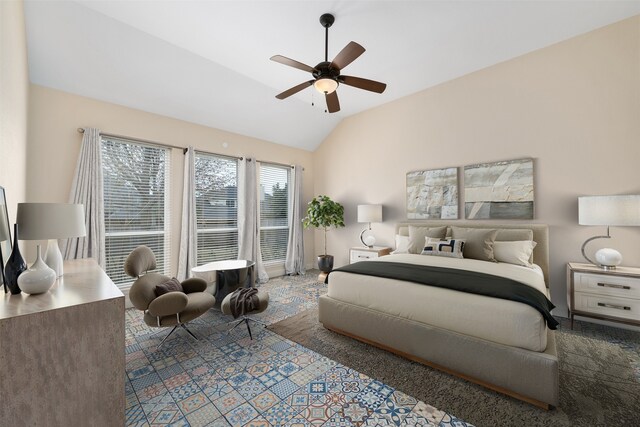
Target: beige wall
14	95
54	144
574	107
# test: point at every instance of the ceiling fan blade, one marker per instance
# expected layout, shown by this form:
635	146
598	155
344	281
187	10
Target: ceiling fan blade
347	55
360	83
292	63
333	105
287	93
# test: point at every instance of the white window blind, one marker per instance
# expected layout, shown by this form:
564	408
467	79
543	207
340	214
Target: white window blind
216	208
274	212
136	204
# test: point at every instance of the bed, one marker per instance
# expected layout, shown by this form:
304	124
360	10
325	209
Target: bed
504	345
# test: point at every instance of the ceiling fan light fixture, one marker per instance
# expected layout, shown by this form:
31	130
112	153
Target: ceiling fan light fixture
325	85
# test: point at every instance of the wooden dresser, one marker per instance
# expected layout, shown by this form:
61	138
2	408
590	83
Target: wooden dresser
62	358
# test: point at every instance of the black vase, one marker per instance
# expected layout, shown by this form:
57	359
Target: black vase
15	265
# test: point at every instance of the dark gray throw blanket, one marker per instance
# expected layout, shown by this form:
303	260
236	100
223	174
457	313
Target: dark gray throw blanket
460	280
243	300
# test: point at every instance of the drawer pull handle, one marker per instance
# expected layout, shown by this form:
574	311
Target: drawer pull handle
611	285
362	256
619	307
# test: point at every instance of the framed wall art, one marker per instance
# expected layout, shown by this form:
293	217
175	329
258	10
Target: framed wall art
432	194
500	190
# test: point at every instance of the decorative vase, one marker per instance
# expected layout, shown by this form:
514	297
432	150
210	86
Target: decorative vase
15	265
38	278
325	263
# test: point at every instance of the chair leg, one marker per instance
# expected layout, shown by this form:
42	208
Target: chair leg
190	333
165	338
235	325
245	320
173	330
259	322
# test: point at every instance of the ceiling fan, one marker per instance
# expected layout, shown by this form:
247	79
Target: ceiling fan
326	75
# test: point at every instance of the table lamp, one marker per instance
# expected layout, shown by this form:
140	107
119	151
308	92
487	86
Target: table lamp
369	214
619	211
51	221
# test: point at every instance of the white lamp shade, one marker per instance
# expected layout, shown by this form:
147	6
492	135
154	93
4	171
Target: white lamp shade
369	213
44	221
609	210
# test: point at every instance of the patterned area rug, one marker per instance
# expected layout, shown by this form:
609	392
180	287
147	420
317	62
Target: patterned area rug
599	376
229	380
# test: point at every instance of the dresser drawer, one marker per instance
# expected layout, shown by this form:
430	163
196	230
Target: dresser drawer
602	284
362	255
608	305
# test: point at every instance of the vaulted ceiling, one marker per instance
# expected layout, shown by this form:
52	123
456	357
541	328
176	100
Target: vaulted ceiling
207	62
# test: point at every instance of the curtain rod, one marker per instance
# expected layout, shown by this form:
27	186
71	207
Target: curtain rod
184	149
145	141
276	163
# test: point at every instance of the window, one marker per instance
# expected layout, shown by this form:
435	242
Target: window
136	203
274	212
216	208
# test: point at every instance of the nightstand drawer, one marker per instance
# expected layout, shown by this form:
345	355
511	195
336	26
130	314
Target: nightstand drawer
362	255
607	305
602	284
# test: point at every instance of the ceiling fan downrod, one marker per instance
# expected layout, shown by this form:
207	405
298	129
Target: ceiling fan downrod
326	20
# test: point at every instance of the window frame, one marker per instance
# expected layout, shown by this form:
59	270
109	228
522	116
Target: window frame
211	231
287	227
166	231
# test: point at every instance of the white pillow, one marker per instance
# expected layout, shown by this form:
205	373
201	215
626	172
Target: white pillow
451	248
402	244
517	252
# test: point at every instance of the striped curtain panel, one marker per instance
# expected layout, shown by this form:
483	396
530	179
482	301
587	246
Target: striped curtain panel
88	189
294	263
249	217
188	232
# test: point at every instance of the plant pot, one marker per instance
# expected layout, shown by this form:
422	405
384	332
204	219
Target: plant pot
325	263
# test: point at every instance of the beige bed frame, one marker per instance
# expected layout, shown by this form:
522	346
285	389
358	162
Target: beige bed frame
524	374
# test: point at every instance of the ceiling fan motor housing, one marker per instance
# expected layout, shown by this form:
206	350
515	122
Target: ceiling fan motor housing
324	70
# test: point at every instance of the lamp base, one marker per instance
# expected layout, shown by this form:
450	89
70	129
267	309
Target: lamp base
608	258
368	241
53	258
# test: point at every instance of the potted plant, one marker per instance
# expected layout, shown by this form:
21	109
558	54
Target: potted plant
322	212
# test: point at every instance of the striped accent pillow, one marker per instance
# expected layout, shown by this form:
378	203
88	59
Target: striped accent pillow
448	247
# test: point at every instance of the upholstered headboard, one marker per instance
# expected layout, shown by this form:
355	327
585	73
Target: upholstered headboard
540	235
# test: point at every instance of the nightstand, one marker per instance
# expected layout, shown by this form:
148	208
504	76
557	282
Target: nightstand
612	295
363	253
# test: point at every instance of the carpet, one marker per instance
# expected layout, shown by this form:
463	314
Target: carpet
599	376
